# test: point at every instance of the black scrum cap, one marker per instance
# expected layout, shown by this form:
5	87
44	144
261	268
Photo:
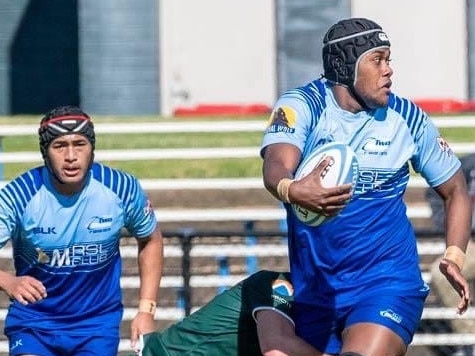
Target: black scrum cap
62	121
344	44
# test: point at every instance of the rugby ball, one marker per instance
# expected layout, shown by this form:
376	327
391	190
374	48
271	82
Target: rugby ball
344	170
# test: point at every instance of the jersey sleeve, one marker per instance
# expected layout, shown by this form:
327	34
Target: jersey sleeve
7	216
268	290
289	122
140	215
434	158
14	197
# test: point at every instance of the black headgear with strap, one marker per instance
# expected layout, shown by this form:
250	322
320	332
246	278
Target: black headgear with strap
344	44
65	120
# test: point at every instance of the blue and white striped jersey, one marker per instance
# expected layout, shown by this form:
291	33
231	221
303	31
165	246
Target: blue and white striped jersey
371	243
71	244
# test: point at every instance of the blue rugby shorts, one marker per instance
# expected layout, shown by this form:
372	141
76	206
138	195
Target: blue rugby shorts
55	343
322	327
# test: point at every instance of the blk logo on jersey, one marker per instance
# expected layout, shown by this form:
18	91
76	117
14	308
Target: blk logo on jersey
282	120
44	230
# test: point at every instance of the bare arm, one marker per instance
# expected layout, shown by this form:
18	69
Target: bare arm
150	261
280	161
277	336
458	210
458	216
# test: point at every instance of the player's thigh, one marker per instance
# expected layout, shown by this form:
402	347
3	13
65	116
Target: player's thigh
370	339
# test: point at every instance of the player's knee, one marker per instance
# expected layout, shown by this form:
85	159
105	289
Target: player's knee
350	354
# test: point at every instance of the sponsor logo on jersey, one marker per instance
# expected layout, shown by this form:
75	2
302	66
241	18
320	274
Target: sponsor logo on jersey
44	230
375	146
381	180
283	287
79	255
390	314
324	141
425	288
282	291
282	119
100	224
16	343
444	146
148	209
42	257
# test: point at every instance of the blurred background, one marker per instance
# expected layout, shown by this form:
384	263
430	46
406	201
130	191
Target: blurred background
169	57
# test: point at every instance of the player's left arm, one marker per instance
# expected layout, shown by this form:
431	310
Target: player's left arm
277	336
458	215
458	210
438	164
150	263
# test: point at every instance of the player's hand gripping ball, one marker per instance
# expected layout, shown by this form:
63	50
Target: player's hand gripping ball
343	170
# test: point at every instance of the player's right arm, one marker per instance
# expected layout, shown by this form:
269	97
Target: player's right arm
277	336
24	289
281	161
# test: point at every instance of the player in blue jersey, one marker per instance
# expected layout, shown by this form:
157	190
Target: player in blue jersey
358	284
64	222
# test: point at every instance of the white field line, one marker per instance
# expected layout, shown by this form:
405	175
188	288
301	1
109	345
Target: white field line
153	127
222	183
228	183
148	154
200	126
414	211
241	250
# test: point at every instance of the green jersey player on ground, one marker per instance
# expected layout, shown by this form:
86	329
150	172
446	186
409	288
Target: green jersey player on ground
251	318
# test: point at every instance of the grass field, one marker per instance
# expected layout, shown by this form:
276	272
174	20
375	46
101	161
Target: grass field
202	168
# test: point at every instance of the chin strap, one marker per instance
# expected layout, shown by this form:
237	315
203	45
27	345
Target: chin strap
358	98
